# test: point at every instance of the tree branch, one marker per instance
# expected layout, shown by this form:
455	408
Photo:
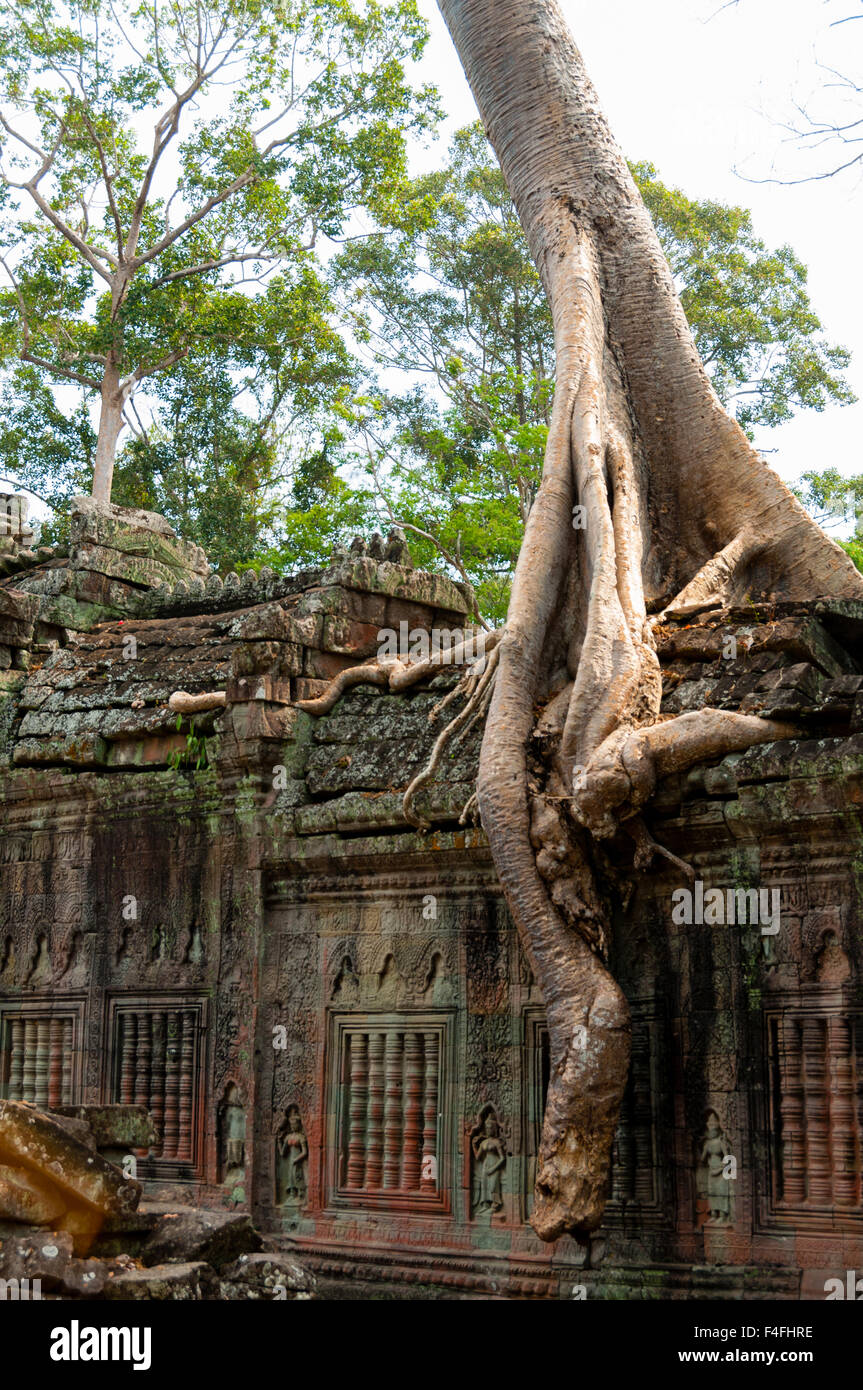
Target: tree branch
66	372
213	202
203	266
128	384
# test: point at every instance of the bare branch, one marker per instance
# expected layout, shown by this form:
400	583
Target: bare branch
167	126
128	384
91	254
108	180
233	258
25	487
213	202
65	372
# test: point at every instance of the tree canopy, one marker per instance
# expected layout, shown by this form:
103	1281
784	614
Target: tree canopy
452	426
168	172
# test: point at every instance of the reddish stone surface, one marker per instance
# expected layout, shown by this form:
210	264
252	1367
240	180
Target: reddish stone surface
329	1017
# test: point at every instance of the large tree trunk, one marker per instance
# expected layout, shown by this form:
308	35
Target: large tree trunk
110	428
679	511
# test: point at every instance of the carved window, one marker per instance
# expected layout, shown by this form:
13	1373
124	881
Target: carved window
635	1171
389	1140
816	1112
40	1056
156	1058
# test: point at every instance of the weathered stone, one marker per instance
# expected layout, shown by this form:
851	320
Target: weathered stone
188	1236
87	1187
176	1283
325	665
25	1197
307	689
18	606
47	1256
275	1276
143	570
282	901
133	533
352	638
269	622
85	750
113	1126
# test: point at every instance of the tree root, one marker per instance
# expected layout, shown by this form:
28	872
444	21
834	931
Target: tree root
646	848
457	728
623	772
589	1036
713	585
400	675
661	477
181	702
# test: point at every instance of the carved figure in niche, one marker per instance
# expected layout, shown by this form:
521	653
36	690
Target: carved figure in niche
388	978
39	972
232	1147
159	943
72	958
347	981
435	987
194	952
292	1148
714	1174
832	966
123	946
489	1158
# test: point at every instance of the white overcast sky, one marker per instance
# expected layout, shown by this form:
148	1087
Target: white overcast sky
702	97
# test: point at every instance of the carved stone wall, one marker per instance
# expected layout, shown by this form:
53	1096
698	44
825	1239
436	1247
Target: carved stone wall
330	1016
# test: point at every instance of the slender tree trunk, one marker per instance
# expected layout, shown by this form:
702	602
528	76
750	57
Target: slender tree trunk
110	428
675	502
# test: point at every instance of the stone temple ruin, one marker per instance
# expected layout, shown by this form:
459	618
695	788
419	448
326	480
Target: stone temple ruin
218	926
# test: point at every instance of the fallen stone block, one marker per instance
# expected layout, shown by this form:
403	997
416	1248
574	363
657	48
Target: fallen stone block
38	1148
46	1261
121	1127
277	1276
175	1283
215	1236
34	1254
24	1197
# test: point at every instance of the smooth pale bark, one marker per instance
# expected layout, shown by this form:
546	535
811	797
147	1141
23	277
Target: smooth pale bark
111	424
676	502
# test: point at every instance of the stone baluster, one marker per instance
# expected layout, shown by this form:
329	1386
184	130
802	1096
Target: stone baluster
819	1188
410	1165
143	1056
16	1066
55	1063
793	1158
622	1176
393	1108
172	1085
374	1124
642	1172
68	1060
157	1080
842	1113
357	1110
28	1085
187	1057
128	1052
428	1172
40	1081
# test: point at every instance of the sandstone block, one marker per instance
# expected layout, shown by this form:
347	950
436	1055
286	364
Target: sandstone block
184	1237
87	1186
267	1276
168	1283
